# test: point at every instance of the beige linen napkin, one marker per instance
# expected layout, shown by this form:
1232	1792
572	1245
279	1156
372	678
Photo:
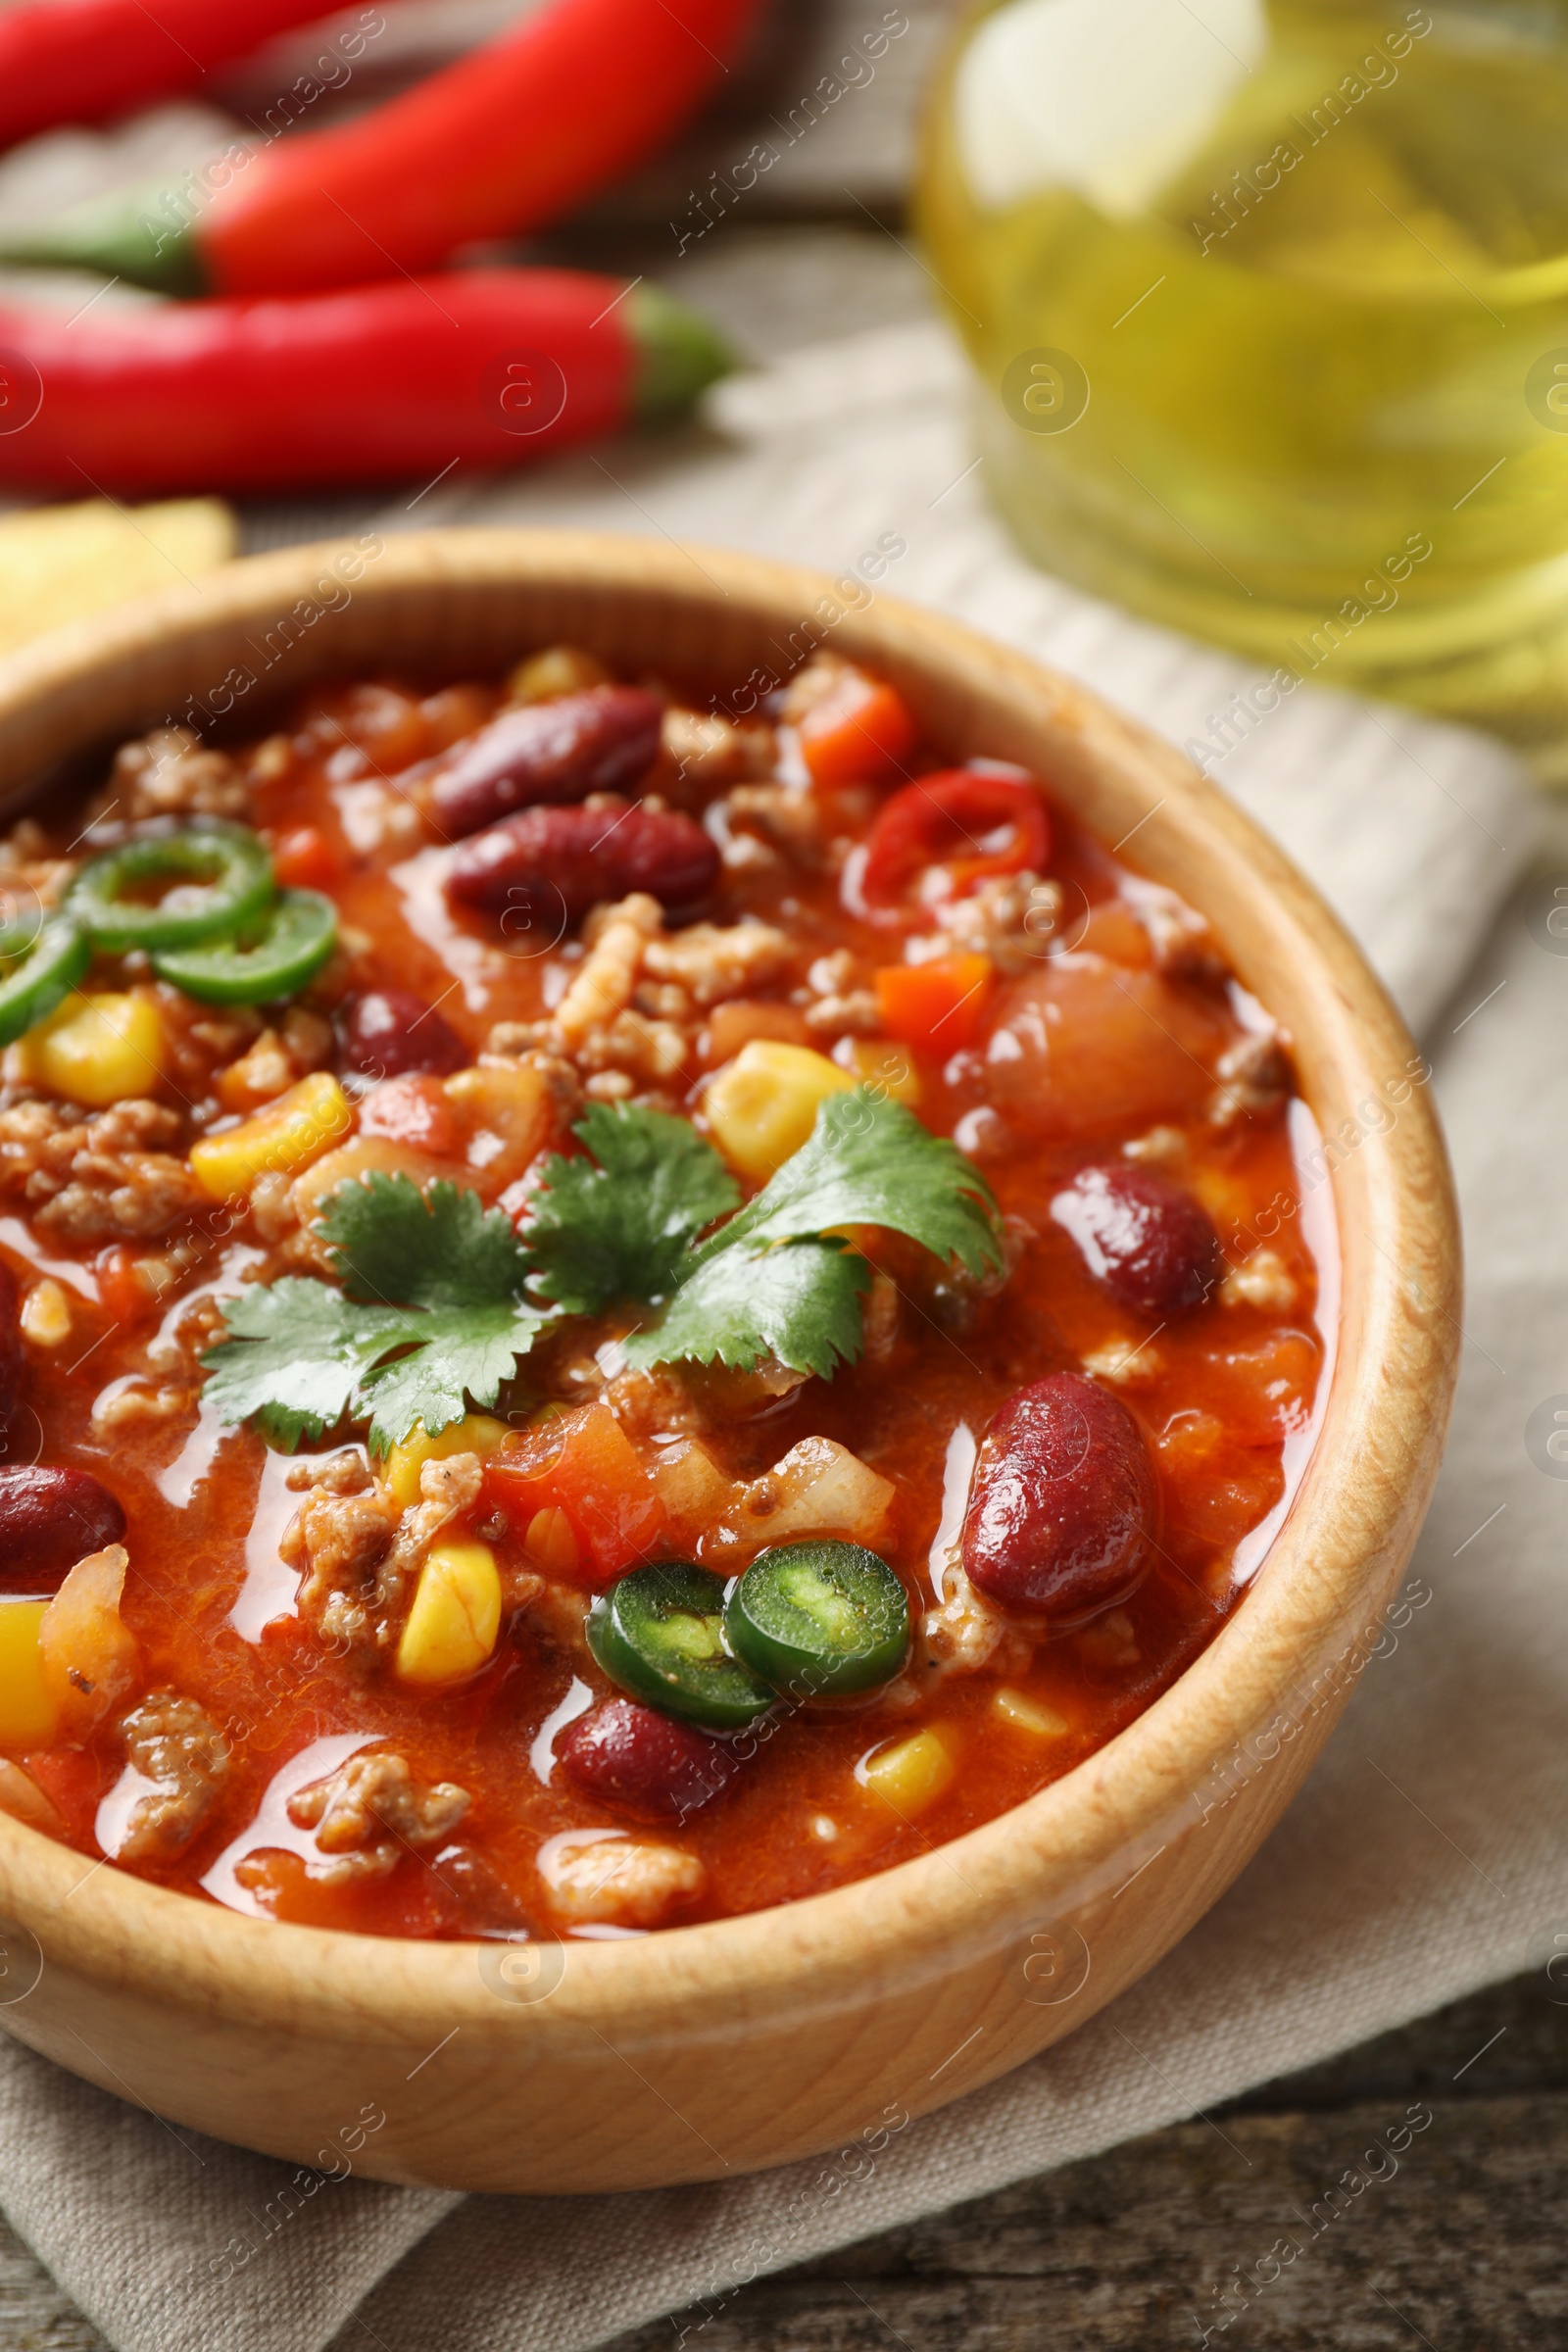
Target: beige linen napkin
1424	1856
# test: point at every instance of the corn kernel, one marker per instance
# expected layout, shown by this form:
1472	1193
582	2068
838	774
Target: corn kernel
559	669
762	1108
45	1316
476	1433
289	1134
889	1070
549	1546
26	1711
456	1616
1023	1714
910	1774
96	1049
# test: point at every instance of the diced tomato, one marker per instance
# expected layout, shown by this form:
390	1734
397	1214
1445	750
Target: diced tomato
938	1006
413	1109
305	859
860	731
585	1466
943	836
122	1289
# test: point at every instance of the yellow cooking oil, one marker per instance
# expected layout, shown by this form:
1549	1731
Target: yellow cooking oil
1269	304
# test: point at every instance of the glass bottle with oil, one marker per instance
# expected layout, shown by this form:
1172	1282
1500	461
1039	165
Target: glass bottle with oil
1269	299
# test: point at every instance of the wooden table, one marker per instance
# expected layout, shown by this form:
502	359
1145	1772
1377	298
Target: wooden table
1461	2250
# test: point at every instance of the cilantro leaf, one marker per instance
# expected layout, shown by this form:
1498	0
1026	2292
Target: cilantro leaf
869	1162
294	1357
301	1355
800	1303
623	1228
438	1248
462	1351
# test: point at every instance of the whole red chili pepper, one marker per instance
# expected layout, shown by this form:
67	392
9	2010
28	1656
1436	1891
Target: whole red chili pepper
409	378
509	138
82	61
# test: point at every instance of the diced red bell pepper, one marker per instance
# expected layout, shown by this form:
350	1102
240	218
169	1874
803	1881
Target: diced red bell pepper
859	731
943	836
585	1465
305	859
937	1008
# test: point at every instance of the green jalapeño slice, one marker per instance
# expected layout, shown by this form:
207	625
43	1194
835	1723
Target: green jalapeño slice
174	888
820	1620
660	1635
262	964
40	966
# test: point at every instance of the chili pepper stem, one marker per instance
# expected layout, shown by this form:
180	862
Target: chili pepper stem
119	236
681	353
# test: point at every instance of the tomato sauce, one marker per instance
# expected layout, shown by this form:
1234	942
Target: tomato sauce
1087	1021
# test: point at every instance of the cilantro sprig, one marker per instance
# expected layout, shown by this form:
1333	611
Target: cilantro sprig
779	1277
621	1224
430	1313
441	1297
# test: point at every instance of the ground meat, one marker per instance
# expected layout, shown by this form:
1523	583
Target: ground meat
714	962
843	1004
125	1403
1261	1280
709	748
631	1015
656	1404
337	1538
626	1881
173	773
520	1040
448	1489
1254	1077
967	1635
1127	1364
1013	918
617	937
198	1327
1184	946
791	819
27	869
368	1795
558	1614
176	1743
95	1177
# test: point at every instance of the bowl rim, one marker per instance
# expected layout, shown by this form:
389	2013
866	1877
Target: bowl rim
1384	1413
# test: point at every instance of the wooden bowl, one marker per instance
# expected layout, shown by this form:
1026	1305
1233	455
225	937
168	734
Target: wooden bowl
745	2042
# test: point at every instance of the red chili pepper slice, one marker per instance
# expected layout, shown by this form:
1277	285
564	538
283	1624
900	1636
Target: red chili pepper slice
83	61
508	138
482	367
943	836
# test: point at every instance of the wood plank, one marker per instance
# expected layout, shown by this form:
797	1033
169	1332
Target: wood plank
1453	2238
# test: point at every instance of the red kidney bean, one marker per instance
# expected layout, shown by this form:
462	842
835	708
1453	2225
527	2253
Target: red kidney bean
12	1362
602	740
386	1032
550	862
1150	1243
49	1520
1064	1500
644	1761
